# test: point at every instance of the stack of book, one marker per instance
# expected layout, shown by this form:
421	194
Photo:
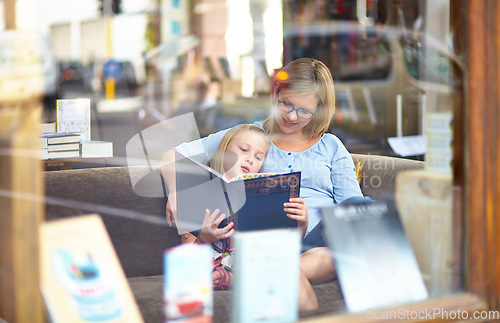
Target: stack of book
60	145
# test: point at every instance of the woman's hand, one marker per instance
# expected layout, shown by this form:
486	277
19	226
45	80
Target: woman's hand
296	209
171	209
210	231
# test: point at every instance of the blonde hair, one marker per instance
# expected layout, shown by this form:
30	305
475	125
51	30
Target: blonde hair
305	76
217	160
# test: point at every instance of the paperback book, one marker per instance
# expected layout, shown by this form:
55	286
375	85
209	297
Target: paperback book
60	154
375	262
63	147
188	295
266	280
252	202
60	137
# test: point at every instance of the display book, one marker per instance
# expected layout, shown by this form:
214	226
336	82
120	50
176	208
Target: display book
375	263
266	270
81	278
251	202
187	293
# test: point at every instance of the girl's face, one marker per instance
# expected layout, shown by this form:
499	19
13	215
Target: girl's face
290	123
247	152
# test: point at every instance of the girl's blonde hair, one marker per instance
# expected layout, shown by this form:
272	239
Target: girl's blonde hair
304	76
217	160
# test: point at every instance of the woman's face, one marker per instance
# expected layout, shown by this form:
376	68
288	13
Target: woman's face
245	154
290	123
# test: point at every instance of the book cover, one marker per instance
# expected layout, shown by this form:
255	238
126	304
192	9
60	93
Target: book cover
252	203
375	263
97	149
73	115
266	280
188	295
81	277
60	137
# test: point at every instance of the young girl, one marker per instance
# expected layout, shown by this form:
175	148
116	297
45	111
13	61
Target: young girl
241	151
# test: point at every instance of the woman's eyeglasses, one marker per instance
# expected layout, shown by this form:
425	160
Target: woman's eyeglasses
301	112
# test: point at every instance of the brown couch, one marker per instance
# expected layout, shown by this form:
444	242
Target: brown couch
139	232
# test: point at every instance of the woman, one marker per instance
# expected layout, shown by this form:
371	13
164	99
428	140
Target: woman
303	107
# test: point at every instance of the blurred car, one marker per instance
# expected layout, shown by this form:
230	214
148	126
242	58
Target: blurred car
71	73
123	73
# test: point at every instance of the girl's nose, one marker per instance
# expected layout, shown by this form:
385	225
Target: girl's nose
249	160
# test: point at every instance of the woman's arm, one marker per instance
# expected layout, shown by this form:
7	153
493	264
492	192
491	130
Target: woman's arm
343	175
296	209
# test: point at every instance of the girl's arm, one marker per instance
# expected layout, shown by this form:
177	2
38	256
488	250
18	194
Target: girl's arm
210	231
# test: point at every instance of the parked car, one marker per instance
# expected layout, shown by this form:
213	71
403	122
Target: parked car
71	74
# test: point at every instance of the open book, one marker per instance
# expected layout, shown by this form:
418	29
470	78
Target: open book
252	202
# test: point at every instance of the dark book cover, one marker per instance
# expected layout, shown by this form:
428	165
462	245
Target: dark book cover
375	263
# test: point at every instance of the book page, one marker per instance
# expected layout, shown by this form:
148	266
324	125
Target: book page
73	115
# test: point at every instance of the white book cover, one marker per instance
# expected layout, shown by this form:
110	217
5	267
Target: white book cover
188	295
73	115
266	276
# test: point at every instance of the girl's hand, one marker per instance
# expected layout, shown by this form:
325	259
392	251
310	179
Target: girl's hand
171	209
296	209
210	231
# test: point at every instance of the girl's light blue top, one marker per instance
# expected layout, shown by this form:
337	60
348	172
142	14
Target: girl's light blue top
328	175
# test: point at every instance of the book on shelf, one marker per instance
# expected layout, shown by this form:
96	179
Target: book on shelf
46	154
266	280
73	115
375	263
47	127
187	293
252	202
81	277
97	149
61	147
60	137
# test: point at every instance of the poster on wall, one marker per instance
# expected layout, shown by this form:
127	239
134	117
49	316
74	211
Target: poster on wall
81	277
